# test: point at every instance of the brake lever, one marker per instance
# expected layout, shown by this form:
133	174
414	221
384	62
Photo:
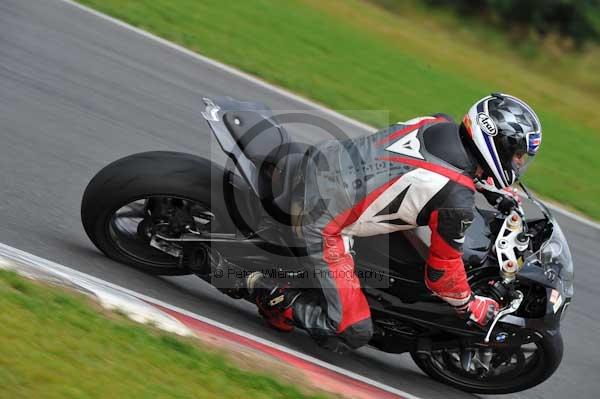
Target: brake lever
514	305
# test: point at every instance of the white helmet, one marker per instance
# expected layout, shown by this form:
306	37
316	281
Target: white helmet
498	127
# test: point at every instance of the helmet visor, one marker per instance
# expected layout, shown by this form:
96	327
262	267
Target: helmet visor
520	163
518	151
523	158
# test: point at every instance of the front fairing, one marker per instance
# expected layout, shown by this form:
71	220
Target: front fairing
555	255
551	267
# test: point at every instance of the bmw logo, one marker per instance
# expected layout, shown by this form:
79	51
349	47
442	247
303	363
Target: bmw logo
501	337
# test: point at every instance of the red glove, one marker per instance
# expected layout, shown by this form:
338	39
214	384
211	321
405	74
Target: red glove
482	309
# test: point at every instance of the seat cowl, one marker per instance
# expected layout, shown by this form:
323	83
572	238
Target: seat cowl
257	137
248	133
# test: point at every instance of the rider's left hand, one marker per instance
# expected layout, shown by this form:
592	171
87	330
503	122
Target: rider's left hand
504	200
506	204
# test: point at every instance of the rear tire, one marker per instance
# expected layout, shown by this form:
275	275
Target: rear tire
144	175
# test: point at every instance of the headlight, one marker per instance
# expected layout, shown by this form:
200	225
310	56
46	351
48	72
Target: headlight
555	254
550	251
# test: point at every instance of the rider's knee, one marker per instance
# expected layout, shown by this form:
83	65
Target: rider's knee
353	337
358	334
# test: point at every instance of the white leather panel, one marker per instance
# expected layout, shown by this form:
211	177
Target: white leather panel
422	185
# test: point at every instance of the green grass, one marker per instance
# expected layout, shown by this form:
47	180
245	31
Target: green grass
54	344
353	55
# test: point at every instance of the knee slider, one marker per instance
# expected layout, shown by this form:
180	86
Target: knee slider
358	334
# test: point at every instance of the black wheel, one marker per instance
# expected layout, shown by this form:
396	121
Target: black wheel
134	200
511	369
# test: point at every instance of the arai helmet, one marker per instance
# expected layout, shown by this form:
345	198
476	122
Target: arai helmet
497	128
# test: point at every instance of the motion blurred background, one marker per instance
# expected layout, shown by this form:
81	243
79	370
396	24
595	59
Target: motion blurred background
415	57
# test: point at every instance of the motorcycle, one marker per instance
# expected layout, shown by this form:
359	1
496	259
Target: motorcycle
170	213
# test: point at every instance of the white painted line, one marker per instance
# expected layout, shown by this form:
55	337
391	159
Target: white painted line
9	254
276	89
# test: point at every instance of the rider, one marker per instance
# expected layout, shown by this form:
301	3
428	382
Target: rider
421	172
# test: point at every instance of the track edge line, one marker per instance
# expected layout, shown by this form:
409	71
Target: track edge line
10	253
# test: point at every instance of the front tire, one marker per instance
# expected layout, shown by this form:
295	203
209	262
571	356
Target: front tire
549	355
125	184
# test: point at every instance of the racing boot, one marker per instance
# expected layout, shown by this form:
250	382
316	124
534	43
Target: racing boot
225	276
274	301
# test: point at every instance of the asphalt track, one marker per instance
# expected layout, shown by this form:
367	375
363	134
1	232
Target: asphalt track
77	92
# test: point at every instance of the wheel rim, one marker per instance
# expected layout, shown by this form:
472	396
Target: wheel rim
131	228
506	364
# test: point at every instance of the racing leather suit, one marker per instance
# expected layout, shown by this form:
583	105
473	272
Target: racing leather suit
414	173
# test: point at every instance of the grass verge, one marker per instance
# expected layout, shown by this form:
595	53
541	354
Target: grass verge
354	55
54	344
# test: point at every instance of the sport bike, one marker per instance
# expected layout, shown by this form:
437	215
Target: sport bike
170	213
